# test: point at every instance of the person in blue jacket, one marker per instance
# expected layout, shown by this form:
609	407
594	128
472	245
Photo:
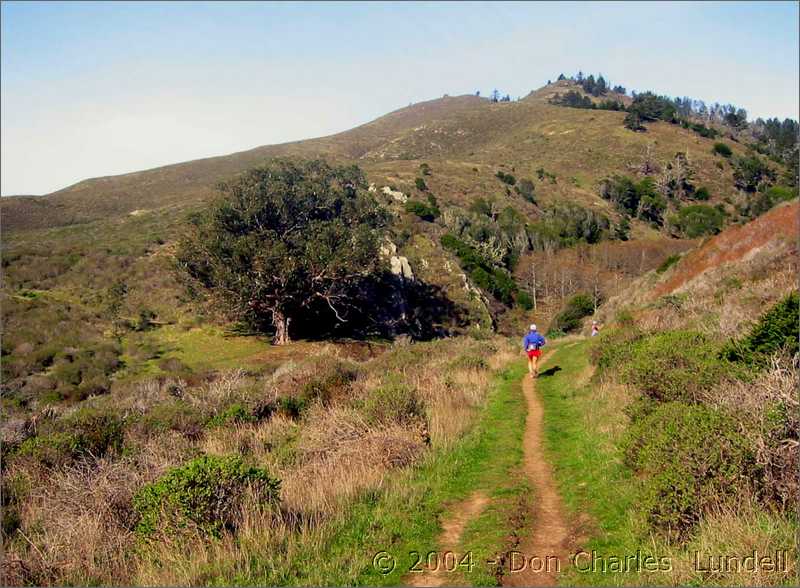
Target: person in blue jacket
532	343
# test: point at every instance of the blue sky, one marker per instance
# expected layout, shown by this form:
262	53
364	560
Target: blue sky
93	89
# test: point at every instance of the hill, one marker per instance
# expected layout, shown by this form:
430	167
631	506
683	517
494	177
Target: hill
453	134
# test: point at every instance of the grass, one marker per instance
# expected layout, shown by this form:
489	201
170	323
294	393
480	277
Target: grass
588	469
198	349
403	517
583	422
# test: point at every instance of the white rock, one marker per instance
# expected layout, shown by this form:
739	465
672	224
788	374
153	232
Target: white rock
401	267
396	194
372	188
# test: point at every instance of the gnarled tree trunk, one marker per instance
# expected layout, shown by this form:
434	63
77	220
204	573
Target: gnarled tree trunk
281	323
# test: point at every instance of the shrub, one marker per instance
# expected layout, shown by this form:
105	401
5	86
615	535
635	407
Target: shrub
506	178
606	356
424	211
765	200
482	272
203	494
697	220
569	319
86	433
325	387
424	169
470	362
668	263
701	193
751	173
524	300
236	413
393	402
721	149
633	121
420	184
674	365
525	188
173	415
691	457
775	331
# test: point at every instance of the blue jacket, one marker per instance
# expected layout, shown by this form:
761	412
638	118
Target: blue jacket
534	339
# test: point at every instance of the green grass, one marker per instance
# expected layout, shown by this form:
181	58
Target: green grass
404	517
199	349
588	467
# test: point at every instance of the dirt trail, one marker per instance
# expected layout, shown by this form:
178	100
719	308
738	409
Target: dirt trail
548	541
544	549
450	540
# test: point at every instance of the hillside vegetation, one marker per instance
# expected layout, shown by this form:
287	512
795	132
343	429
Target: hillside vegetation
260	368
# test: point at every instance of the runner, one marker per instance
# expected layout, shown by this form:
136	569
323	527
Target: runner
532	344
595	328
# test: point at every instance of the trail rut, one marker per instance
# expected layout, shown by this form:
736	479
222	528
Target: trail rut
450	538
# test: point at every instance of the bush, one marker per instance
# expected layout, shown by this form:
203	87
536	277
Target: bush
525	188
482	272
393	402
751	173
235	413
524	300
775	331
691	458
721	149
173	415
86	433
668	263
203	494
569	319
674	365
327	386
426	212
633	121
421	185
701	193
506	178
697	220
765	200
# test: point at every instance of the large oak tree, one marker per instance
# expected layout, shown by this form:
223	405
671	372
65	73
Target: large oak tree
287	238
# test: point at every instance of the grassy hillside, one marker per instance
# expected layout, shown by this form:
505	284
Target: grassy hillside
453	134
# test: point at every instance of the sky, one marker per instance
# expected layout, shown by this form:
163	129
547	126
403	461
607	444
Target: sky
101	88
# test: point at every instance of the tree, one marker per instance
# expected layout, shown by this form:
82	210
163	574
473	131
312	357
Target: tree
697	220
633	122
286	240
751	173
495	95
561	77
601	86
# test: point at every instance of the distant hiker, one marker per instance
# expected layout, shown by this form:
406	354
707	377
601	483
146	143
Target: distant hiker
595	328
532	344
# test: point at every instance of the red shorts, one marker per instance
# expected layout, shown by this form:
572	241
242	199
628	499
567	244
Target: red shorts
534	353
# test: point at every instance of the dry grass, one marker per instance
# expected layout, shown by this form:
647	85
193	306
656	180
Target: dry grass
768	412
737	531
77	522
